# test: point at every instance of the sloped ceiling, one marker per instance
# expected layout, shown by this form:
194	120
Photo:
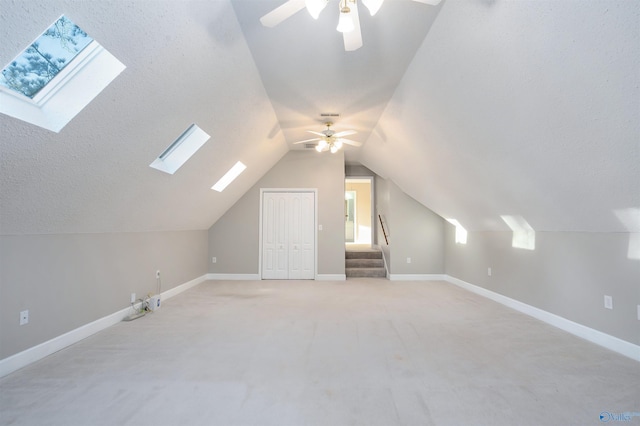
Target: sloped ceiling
306	70
521	108
187	62
475	108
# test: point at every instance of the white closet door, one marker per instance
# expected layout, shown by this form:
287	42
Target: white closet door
274	236
288	235
302	236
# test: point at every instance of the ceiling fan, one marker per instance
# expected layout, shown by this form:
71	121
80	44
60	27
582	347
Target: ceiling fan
330	140
348	22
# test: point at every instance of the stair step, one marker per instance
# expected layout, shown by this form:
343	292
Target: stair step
364	263
373	254
365	272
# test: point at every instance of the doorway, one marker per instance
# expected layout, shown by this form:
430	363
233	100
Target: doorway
358	210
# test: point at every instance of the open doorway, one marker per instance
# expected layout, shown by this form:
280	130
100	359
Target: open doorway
358	211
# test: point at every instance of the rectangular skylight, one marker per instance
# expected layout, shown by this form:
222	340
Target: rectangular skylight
180	150
45	58
56	76
461	233
524	236
229	177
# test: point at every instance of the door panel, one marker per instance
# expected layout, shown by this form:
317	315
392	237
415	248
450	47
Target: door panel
274	259
308	233
302	236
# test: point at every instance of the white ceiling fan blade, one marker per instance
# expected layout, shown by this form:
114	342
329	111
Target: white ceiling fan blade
316	133
350	142
282	12
345	133
430	2
307	140
373	5
353	39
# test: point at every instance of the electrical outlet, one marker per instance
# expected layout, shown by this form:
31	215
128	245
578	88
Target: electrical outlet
408	260
158	273
638	312
319	227
24	317
608	302
214	260
489	271
133	298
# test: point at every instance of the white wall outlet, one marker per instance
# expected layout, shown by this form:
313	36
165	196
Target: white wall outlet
133	298
319	227
638	312
408	260
24	317
214	259
608	302
154	302
158	273
489	271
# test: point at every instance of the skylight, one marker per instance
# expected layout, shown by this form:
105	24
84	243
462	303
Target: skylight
56	76
524	236
45	58
461	233
229	177
180	150
630	218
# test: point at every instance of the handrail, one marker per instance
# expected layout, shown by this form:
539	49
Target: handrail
384	232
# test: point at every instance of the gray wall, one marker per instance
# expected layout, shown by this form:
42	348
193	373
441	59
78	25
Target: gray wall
357	170
234	238
417	233
68	280
414	232
567	274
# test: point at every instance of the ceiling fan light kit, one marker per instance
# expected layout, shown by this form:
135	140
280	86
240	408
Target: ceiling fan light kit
345	21
329	140
322	145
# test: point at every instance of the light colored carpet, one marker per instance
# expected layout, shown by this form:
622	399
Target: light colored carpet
359	352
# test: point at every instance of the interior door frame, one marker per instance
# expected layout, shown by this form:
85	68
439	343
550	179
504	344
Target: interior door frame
315	224
372	201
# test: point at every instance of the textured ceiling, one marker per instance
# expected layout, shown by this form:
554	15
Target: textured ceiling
475	108
187	62
524	108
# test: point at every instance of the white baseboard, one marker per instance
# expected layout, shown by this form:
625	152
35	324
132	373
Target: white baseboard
594	336
257	277
183	287
36	353
331	277
417	277
234	277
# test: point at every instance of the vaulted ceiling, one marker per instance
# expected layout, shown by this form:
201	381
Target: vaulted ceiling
476	109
